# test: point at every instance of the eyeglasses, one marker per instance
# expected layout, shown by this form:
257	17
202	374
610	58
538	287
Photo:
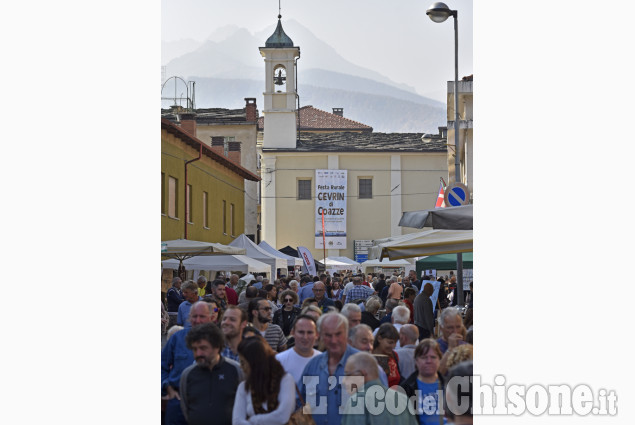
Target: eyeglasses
288	300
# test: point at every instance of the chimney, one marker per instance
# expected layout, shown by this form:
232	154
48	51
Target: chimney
188	122
338	111
218	145
234	152
250	109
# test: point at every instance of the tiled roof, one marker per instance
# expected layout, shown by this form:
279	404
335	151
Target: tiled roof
172	128
364	142
211	115
314	119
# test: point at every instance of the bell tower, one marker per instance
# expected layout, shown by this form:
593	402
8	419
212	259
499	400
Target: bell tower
280	90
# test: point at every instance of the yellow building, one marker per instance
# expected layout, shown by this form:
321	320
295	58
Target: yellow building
202	191
231	133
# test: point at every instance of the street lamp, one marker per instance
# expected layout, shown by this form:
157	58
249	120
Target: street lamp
440	12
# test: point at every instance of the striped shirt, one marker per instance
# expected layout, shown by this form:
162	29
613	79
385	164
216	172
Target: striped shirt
275	337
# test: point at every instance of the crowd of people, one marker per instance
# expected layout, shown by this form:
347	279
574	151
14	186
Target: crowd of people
245	350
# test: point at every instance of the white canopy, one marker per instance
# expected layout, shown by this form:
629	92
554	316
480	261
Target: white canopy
291	261
428	242
339	263
220	263
185	248
407	265
255	252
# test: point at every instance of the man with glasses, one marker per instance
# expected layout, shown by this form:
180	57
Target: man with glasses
319	293
260	316
285	316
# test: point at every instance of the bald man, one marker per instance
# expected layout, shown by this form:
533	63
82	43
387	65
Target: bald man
363	365
408	338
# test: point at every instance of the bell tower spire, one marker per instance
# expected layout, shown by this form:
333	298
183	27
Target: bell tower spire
279	109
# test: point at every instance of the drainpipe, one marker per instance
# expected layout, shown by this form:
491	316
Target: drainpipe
297	96
200	154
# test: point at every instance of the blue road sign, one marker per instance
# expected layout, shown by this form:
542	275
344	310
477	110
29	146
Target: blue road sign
457	194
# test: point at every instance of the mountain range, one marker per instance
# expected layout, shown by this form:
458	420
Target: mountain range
227	67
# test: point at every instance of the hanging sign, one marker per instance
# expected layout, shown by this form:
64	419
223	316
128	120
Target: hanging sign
330	199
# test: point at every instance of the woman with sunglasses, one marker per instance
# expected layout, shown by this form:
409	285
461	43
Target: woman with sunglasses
285	316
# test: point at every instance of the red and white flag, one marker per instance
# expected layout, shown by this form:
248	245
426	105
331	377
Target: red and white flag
441	197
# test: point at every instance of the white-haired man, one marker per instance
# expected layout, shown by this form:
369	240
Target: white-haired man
201	282
353	313
175	298
321	376
190	293
451	325
400	316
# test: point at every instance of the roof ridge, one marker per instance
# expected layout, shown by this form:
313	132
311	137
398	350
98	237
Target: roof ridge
340	116
210	152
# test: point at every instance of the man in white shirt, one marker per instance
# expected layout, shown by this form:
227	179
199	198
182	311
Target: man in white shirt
305	333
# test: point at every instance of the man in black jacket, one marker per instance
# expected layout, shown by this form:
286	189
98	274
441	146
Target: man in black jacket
208	388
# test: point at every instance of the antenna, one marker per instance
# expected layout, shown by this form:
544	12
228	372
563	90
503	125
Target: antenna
178	100
279	9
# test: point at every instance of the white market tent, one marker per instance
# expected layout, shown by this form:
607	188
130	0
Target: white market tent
419	244
220	263
291	261
257	253
185	248
407	265
339	263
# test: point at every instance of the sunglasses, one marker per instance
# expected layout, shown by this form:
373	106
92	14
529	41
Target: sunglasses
265	308
288	300
215	310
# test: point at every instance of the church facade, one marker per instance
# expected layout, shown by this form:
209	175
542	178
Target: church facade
357	183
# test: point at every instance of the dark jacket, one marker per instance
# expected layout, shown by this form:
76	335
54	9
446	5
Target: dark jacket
424	314
370	320
208	393
175	298
278	319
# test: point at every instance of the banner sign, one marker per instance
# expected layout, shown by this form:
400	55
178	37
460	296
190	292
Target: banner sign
306	256
330	191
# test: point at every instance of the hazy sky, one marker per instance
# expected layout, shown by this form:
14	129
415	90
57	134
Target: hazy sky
394	38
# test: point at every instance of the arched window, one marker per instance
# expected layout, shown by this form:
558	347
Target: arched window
280	78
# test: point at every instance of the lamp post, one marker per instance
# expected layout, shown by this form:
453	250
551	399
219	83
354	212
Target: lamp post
440	12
